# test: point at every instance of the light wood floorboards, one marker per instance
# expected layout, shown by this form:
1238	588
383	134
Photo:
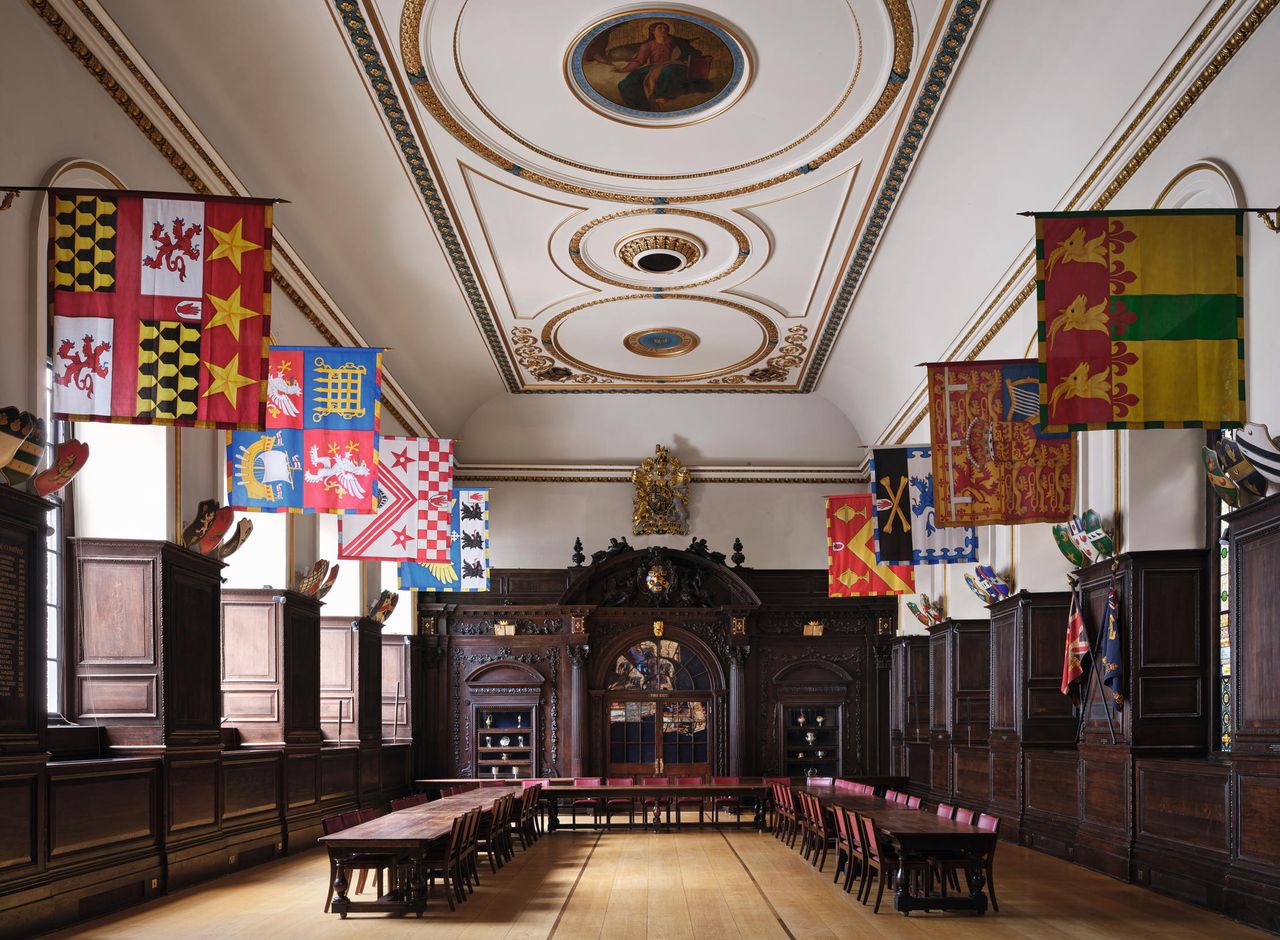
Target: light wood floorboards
691	884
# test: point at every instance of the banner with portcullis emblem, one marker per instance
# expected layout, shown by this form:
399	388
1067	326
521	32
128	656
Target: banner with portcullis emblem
319	450
992	465
1141	319
852	570
159	308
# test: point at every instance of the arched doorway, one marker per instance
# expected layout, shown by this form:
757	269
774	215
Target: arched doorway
659	708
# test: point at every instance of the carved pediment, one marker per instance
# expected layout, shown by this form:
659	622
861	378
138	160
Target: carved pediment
811	671
659	578
505	672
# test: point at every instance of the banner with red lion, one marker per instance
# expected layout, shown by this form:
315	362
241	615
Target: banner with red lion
160	306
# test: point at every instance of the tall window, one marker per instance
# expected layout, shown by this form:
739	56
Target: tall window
55	559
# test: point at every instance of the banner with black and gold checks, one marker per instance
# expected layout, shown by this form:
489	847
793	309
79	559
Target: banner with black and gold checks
168	369
84	244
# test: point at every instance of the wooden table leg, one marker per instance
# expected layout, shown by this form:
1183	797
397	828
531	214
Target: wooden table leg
340	886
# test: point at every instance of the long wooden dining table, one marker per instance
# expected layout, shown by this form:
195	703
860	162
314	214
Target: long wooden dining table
404	836
552	794
917	835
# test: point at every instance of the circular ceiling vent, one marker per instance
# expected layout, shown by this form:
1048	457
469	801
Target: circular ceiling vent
659	252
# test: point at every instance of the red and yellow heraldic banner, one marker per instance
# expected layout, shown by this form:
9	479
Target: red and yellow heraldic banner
1141	319
160	307
852	570
992	463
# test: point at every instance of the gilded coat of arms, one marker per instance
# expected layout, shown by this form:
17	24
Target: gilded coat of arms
662	495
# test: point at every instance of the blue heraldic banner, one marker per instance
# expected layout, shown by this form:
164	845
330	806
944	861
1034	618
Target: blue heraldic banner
907	530
319	449
1110	659
468	565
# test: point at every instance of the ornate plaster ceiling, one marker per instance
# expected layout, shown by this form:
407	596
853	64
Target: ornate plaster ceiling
722	198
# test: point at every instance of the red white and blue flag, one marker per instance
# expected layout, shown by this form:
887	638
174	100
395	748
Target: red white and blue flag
415	482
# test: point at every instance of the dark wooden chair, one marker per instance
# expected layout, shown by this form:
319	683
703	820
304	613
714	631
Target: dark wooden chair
657	802
788	815
733	804
848	849
494	831
949	867
772	805
913	802
964	815
820	835
442	860
946	811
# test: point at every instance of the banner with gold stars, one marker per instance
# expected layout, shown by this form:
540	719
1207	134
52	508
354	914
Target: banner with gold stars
319	450
159	308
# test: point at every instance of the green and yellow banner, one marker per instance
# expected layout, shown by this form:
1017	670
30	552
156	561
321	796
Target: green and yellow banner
1141	319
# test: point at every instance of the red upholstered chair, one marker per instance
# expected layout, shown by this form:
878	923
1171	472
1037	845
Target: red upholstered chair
913	802
772	808
819	832
784	814
403	803
891	795
946	811
537	806
964	815
620	803
821	781
844	847
593	803
901	799
881	858
689	801
949	866
656	801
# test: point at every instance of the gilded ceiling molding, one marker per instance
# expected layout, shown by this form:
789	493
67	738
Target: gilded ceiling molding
776	368
543	367
1233	44
410	29
739	236
402	410
366	49
961	25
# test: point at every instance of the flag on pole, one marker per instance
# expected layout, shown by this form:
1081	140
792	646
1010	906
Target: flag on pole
1077	650
319	450
992	464
907	530
415	491
1141	319
1110	651
159	308
468	566
852	570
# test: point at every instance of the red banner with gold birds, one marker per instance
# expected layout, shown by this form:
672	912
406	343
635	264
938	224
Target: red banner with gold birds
1141	319
160	308
852	570
992	464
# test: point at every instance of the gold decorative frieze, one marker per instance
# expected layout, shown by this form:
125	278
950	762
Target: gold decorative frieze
542	367
776	368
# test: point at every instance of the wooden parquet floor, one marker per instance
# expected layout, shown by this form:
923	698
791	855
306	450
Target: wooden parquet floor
699	884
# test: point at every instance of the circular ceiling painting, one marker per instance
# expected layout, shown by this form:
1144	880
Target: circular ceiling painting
657	67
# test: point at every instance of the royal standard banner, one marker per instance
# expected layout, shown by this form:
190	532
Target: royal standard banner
907	530
319	450
991	462
852	570
415	491
468	566
1141	319
159	308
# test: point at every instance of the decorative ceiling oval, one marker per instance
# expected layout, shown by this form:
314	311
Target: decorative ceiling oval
494	76
593	337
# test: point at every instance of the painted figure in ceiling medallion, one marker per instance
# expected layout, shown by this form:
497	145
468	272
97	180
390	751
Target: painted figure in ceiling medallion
662	495
657	67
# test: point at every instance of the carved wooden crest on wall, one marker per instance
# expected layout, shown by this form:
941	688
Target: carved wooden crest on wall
662	495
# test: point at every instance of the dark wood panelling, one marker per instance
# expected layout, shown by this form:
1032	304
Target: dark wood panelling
102	807
19	820
23	719
338	773
1050	812
146	639
192	793
397	688
250	784
1184	803
1255	623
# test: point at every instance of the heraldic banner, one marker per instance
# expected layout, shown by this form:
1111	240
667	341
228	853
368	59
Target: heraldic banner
468	566
415	491
159	308
907	529
852	570
992	465
1141	319
319	451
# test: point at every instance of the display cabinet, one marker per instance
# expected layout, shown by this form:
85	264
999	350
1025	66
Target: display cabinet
811	739
505	741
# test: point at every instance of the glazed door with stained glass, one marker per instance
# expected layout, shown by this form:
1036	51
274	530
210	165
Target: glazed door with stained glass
659	715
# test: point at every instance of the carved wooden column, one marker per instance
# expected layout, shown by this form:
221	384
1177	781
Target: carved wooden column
737	705
578	653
